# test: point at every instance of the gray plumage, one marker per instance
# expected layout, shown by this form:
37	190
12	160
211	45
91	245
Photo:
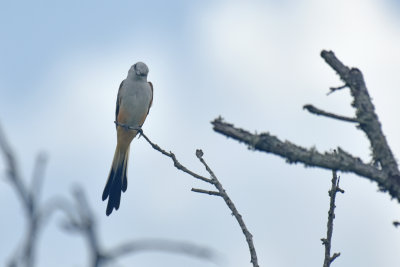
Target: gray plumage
135	96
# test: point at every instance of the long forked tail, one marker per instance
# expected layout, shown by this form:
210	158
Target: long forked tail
117	180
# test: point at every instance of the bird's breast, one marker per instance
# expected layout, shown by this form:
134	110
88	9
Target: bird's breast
134	104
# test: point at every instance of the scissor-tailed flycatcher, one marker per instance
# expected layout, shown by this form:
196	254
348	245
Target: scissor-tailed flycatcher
135	96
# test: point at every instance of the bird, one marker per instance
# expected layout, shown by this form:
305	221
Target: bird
134	99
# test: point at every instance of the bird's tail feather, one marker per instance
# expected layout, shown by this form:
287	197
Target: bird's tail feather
117	179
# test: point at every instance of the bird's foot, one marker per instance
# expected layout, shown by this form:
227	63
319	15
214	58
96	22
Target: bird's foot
130	128
140	131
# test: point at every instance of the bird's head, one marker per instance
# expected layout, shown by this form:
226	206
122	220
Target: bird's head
139	69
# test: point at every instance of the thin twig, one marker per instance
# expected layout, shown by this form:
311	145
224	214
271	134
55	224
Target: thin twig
327	242
180	247
334	89
177	164
211	193
83	222
38	175
229	203
221	192
13	173
317	111
27	253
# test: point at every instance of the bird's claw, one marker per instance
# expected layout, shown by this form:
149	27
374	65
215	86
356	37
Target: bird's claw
130	128
140	131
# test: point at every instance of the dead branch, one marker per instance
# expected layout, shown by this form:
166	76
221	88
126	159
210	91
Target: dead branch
320	112
24	256
79	218
327	242
34	213
170	246
83	222
385	172
221	192
365	114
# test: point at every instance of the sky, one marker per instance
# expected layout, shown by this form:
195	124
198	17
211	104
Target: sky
255	63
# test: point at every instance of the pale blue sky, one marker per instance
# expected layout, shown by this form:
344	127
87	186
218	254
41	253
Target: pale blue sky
256	63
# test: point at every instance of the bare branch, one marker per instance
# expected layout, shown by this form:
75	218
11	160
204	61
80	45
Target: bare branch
387	177
327	242
365	113
211	193
86	225
221	192
38	175
35	214
55	204
334	89
26	255
180	247
83	222
341	161
229	203
13	173
334	256
317	111
177	164
79	218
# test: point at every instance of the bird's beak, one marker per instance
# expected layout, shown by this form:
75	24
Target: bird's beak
137	72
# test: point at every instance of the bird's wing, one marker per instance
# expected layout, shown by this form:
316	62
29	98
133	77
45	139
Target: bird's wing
118	101
151	101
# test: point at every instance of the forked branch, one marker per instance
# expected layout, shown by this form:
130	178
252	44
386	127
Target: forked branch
384	169
220	192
